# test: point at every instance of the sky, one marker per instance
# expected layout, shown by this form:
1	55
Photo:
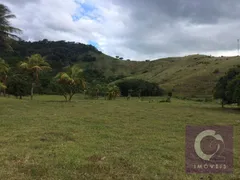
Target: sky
134	29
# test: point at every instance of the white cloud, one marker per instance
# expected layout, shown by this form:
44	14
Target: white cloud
133	29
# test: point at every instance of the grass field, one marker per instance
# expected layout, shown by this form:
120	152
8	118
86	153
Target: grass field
194	75
97	139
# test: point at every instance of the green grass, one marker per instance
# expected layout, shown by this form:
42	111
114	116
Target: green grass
194	75
96	139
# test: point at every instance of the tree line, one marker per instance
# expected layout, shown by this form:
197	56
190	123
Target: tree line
24	78
228	87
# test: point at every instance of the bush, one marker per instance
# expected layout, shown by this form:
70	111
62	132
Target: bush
139	88
228	87
216	71
18	85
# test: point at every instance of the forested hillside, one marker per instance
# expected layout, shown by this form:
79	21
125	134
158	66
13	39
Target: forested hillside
60	54
194	75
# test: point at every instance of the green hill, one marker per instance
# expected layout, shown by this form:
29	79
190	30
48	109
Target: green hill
60	54
193	75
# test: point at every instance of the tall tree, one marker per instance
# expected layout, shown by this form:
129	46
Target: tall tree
7	31
4	68
35	64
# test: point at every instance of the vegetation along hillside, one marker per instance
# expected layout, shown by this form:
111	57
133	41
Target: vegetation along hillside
194	75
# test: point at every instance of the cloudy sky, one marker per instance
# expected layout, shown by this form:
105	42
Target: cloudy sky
134	29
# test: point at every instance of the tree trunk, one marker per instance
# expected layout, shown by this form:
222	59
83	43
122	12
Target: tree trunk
70	97
97	95
65	96
4	92
4	82
20	96
32	88
222	104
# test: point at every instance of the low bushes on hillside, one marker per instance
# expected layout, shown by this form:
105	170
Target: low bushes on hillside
139	88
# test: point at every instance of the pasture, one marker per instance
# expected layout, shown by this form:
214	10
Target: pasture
47	138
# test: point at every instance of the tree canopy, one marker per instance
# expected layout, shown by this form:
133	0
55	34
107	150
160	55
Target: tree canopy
7	31
228	87
139	87
69	82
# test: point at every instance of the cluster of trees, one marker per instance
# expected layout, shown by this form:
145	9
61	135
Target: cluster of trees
118	57
108	91
138	87
228	87
58	54
29	76
22	79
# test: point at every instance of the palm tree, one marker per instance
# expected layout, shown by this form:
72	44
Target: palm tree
4	68
35	64
71	80
113	91
7	31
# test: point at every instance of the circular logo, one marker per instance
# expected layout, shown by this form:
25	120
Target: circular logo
215	143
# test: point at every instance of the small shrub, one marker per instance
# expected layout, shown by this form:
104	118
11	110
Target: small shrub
216	71
208	99
170	94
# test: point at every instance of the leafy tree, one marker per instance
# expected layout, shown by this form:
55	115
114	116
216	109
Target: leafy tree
112	91
4	68
227	87
233	90
169	97
98	89
93	89
88	58
18	84
45	79
35	64
130	91
137	85
70	82
7	31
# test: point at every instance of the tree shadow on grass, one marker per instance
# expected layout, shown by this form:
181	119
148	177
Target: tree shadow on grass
60	101
235	110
